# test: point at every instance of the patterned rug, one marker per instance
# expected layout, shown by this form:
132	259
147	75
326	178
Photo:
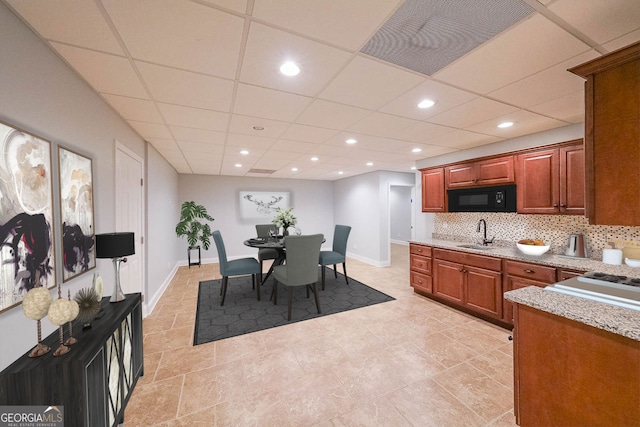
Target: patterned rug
242	313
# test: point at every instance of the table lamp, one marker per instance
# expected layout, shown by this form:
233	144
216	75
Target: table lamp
115	246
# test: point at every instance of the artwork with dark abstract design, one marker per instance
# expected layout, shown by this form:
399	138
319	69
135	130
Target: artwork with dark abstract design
76	210
27	255
262	204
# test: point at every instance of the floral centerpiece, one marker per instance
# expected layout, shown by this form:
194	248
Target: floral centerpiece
285	219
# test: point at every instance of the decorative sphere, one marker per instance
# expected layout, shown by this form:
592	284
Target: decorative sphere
60	312
35	304
75	309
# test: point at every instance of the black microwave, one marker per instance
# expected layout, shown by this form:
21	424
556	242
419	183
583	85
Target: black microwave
500	198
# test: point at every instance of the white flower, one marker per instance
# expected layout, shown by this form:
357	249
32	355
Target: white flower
284	218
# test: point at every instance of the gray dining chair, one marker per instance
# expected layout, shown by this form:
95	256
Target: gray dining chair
262	230
338	254
237	267
301	268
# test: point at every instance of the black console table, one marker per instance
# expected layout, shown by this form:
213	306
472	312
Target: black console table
95	379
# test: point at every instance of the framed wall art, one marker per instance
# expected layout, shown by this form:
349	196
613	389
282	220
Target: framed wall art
27	253
76	213
262	204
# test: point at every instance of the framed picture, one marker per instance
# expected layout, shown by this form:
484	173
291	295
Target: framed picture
262	204
27	253
76	212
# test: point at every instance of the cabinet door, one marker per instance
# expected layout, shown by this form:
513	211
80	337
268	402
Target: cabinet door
433	190
495	171
421	282
483	291
511	283
463	175
448	280
537	178
572	180
420	264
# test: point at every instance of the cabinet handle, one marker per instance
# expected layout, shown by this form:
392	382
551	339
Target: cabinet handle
419	250
529	271
461	270
555	205
562	205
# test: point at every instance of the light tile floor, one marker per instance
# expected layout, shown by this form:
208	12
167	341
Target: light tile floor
409	362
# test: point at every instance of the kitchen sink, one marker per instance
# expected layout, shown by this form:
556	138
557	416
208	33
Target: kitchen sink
476	247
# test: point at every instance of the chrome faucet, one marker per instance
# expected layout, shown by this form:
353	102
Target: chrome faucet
485	241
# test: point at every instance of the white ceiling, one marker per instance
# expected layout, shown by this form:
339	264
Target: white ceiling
194	77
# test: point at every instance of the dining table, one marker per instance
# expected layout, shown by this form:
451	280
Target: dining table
275	242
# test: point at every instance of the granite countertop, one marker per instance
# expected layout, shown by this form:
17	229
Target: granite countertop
618	320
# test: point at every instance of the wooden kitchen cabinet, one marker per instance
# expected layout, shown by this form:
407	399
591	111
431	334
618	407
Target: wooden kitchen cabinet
493	171
433	195
612	137
551	181
567	373
470	281
518	274
564	274
420	268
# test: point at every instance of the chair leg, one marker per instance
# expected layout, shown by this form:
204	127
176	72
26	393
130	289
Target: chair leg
256	285
316	295
225	281
335	270
323	268
290	301
307	288
260	271
275	292
344	268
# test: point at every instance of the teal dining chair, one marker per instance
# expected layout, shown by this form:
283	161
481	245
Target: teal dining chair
264	254
237	267
338	254
301	268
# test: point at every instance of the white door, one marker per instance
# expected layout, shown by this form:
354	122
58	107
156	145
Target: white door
130	215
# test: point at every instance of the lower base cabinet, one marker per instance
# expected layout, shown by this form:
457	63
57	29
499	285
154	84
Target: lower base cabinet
569	374
95	379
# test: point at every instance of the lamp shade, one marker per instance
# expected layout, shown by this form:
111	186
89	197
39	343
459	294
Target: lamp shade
114	245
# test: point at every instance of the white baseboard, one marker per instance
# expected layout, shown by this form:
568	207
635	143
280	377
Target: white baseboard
375	263
400	242
150	304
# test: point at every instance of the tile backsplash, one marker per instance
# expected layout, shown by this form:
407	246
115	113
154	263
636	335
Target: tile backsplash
554	230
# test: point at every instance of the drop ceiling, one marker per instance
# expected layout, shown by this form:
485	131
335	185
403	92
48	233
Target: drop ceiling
200	81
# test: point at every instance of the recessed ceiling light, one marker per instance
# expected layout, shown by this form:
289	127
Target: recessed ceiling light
238	165
351	141
244	152
505	125
340	173
289	69
426	103
416	150
369	163
314	159
413	168
258	128
294	169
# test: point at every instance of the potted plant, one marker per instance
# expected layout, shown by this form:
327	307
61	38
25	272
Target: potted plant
193	229
285	219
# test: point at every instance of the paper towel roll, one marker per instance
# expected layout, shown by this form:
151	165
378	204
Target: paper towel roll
612	256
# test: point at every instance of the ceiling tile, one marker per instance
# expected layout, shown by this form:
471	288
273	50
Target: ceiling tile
163	144
294	146
267	49
476	111
134	109
185	88
249	141
422	131
201	147
75	22
106	73
444	96
380	124
235	5
150	130
526	48
525	122
620	42
305	133
461	139
330	115
569	108
260	102
198	135
244	125
178	115
179	34
602	21
353	85
546	85
342	23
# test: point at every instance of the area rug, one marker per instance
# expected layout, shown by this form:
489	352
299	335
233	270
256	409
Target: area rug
242	313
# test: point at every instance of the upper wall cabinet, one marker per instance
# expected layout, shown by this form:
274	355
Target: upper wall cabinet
433	190
612	137
484	172
551	181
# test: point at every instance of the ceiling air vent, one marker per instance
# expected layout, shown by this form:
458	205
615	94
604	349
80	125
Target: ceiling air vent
262	171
